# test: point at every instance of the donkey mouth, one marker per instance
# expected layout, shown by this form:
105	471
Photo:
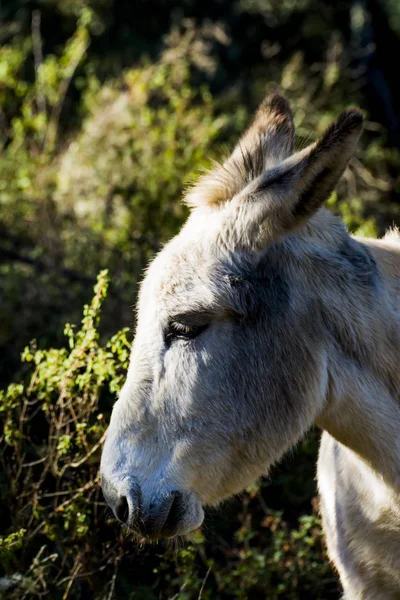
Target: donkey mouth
177	516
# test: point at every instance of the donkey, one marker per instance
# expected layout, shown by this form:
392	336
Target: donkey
261	318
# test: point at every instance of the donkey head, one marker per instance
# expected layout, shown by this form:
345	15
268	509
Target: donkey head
229	365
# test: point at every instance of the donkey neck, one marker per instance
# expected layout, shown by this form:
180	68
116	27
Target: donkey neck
387	255
363	411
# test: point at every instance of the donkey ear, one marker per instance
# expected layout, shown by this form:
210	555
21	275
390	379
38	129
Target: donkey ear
267	142
285	196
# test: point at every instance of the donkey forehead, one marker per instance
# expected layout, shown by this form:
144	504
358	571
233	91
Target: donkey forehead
189	270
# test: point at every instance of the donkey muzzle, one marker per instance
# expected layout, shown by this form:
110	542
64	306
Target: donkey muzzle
165	516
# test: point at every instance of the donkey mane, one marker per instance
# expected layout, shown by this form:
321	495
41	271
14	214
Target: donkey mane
393	235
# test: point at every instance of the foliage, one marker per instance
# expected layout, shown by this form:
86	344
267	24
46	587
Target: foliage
110	195
52	432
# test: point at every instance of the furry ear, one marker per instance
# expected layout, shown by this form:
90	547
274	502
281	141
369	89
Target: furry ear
285	196
267	142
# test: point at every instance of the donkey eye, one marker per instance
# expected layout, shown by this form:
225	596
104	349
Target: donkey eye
183	332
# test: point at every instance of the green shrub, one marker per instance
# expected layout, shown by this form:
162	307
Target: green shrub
53	429
74	200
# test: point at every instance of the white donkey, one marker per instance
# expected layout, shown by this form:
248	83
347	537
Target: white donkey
259	319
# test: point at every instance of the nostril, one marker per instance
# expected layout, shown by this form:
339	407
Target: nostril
174	515
122	509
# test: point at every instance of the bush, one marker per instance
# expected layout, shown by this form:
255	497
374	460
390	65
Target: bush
107	194
53	429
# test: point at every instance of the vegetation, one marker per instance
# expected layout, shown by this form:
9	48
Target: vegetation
105	117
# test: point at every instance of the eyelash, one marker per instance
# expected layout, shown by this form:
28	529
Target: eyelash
184	332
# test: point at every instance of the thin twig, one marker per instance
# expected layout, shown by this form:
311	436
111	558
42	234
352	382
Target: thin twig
59	508
81	575
204	583
113	580
52	129
181	589
78	463
368	178
62	493
38	58
75	571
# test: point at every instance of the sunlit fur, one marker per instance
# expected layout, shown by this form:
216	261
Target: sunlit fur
302	329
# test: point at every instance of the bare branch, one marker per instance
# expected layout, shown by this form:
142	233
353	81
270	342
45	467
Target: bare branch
38	59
